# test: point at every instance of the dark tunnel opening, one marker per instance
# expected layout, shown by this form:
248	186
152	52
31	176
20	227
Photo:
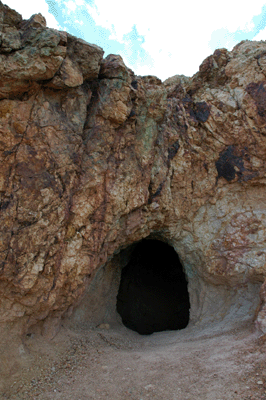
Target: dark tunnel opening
153	293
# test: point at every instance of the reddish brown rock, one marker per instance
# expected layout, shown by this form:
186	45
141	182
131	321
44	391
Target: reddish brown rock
94	159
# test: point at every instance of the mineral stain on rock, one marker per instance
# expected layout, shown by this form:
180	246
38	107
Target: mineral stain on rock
227	163
199	111
258	92
173	150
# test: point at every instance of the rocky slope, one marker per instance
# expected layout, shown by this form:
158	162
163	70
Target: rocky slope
95	158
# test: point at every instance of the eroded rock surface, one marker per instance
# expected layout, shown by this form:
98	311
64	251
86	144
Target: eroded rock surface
95	158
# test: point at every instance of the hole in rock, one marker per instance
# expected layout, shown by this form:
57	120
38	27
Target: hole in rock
153	293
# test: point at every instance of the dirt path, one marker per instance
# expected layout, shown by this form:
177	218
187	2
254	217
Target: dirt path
118	364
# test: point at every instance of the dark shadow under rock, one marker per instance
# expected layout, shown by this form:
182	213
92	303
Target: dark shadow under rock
153	294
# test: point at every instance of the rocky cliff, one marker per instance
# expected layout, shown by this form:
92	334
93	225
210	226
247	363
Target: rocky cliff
94	158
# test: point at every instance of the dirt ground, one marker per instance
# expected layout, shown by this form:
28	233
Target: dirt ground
118	364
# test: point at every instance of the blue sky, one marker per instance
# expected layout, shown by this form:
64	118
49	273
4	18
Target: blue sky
154	38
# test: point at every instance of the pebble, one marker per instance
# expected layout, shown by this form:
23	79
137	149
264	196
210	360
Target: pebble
260	383
103	326
150	386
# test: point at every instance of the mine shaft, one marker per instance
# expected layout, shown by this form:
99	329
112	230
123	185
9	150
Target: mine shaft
153	293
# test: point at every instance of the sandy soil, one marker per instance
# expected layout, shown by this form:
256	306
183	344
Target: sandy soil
118	364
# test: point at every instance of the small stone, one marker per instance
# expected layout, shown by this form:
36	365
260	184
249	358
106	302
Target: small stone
260	383
103	326
148	387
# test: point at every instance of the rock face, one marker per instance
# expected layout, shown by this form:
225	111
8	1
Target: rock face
94	159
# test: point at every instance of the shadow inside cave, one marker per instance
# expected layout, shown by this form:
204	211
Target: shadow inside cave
153	293
143	287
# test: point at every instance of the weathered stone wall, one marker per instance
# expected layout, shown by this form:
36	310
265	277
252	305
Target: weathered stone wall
94	158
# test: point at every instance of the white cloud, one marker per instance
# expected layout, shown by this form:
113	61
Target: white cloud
79	22
71	6
28	7
182	29
261	35
177	36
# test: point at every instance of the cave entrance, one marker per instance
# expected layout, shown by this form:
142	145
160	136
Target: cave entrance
153	293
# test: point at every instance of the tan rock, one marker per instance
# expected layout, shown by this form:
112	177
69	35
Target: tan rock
68	76
109	158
